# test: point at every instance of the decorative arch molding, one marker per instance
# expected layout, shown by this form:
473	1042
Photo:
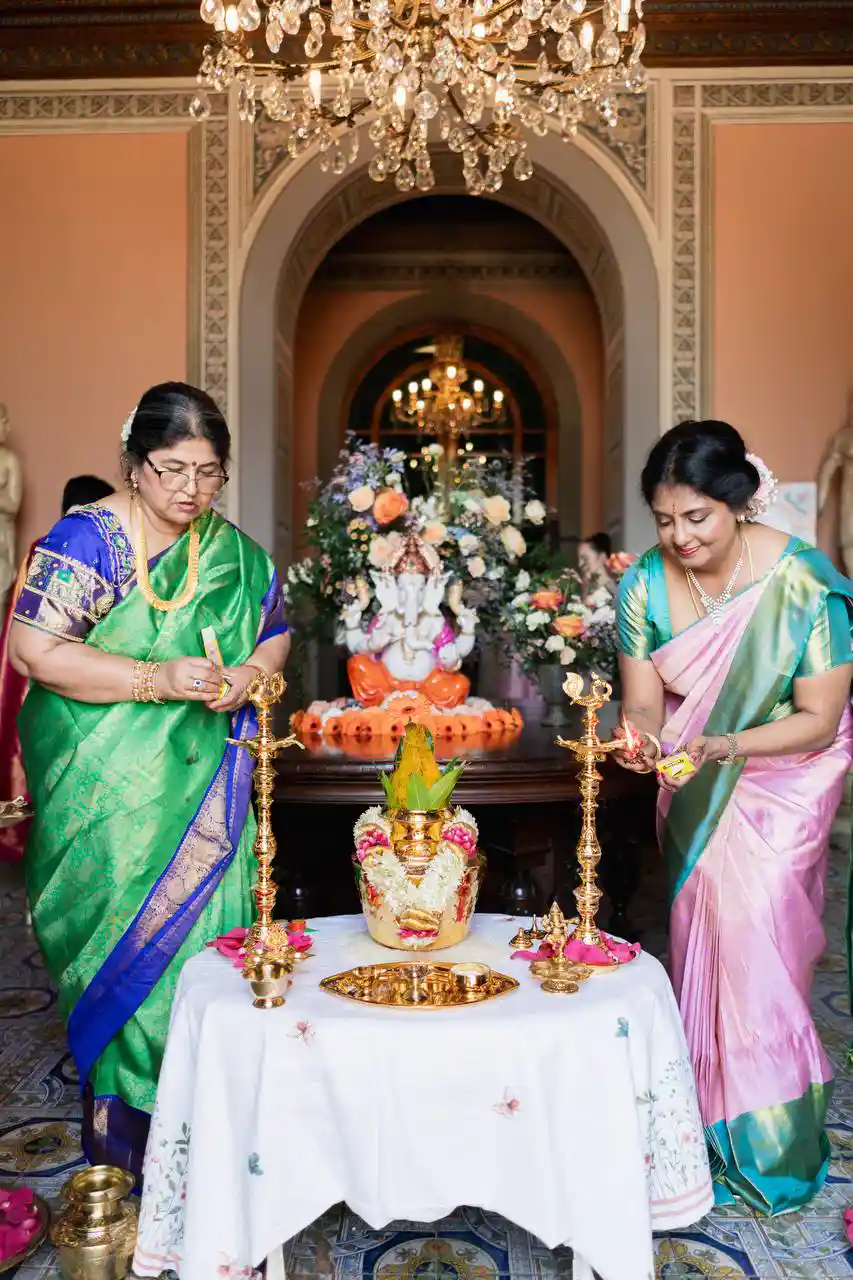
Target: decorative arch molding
572	194
490	318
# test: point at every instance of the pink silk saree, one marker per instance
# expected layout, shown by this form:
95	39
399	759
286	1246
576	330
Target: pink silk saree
746	848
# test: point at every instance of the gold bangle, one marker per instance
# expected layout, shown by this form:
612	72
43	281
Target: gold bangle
142	686
731	756
650	737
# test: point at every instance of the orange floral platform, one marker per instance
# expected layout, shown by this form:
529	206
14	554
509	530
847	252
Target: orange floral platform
344	722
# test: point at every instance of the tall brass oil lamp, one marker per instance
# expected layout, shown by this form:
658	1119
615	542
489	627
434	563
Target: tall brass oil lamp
270	958
589	751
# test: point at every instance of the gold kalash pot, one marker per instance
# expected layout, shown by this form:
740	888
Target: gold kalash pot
95	1235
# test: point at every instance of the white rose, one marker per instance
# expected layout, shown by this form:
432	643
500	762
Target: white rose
519	600
468	544
497	509
495	574
474	505
476	566
535	511
536	619
568	656
513	541
607	614
522	582
599	598
555	644
362	499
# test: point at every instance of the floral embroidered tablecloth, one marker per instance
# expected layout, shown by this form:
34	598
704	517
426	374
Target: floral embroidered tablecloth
575	1116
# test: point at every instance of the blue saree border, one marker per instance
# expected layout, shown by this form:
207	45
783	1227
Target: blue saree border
128	976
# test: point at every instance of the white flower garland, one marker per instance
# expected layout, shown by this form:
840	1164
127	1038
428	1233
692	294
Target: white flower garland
385	874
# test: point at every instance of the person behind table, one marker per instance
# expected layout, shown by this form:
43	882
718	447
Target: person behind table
78	492
141	843
593	554
735	646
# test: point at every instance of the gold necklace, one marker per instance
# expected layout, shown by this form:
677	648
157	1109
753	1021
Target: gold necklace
140	555
714	606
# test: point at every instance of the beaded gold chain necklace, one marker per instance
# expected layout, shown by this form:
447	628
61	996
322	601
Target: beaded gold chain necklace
140	555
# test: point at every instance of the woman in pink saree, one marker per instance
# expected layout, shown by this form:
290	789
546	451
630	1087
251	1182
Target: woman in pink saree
736	647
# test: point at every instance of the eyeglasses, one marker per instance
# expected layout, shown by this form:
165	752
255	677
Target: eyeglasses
175	481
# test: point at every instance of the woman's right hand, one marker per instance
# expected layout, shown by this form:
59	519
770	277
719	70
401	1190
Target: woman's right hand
188	680
640	759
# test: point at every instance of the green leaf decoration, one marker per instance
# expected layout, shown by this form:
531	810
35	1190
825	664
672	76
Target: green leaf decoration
419	794
439	794
389	790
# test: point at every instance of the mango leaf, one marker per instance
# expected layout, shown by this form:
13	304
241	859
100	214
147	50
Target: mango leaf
419	794
440	793
389	790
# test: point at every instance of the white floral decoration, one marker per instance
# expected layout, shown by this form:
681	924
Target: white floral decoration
767	491
386	875
128	425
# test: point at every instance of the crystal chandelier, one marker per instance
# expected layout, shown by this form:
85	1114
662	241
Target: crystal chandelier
441	406
478	74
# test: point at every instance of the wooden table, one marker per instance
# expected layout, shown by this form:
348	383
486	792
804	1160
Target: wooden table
523	793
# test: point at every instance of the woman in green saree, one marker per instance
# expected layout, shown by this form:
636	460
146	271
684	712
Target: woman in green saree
140	850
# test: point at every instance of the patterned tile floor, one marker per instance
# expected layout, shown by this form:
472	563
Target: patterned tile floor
40	1131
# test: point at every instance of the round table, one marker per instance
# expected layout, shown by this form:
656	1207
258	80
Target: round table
573	1116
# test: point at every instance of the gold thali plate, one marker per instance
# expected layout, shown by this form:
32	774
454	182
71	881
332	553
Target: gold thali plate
413	984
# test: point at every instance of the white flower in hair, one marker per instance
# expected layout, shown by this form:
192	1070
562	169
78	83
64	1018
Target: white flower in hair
128	425
767	491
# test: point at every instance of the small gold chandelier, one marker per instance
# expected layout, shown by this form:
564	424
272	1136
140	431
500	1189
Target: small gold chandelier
441	405
478	74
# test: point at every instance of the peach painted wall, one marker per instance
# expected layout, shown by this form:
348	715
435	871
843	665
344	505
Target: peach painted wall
783	287
93	283
329	316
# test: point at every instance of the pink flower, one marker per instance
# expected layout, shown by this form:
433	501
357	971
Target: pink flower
303	1031
848	1224
509	1106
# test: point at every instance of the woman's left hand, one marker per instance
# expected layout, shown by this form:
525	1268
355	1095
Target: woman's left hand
701	750
236	697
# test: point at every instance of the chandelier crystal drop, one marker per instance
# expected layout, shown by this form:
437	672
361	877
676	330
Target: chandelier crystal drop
474	76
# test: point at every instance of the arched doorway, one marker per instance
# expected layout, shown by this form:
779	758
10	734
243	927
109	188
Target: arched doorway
489	320
588	209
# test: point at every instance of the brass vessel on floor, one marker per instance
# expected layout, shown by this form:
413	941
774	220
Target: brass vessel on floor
95	1235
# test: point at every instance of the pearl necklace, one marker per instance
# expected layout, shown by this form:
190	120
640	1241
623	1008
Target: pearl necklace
140	555
714	605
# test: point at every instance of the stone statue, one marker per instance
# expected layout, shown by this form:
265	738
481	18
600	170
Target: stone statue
840	458
10	505
409	643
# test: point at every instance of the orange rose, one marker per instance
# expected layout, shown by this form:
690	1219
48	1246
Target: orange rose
389	504
546	599
569	625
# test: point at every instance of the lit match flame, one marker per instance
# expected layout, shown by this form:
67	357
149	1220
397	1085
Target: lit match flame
633	740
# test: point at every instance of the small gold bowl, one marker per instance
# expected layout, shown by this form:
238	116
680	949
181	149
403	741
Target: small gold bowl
470	976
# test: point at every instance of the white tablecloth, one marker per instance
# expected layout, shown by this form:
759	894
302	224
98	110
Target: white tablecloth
573	1116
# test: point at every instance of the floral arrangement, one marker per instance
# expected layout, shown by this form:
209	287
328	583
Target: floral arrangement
417	908
357	524
556	618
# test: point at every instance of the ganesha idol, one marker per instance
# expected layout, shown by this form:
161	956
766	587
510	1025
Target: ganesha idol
409	644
